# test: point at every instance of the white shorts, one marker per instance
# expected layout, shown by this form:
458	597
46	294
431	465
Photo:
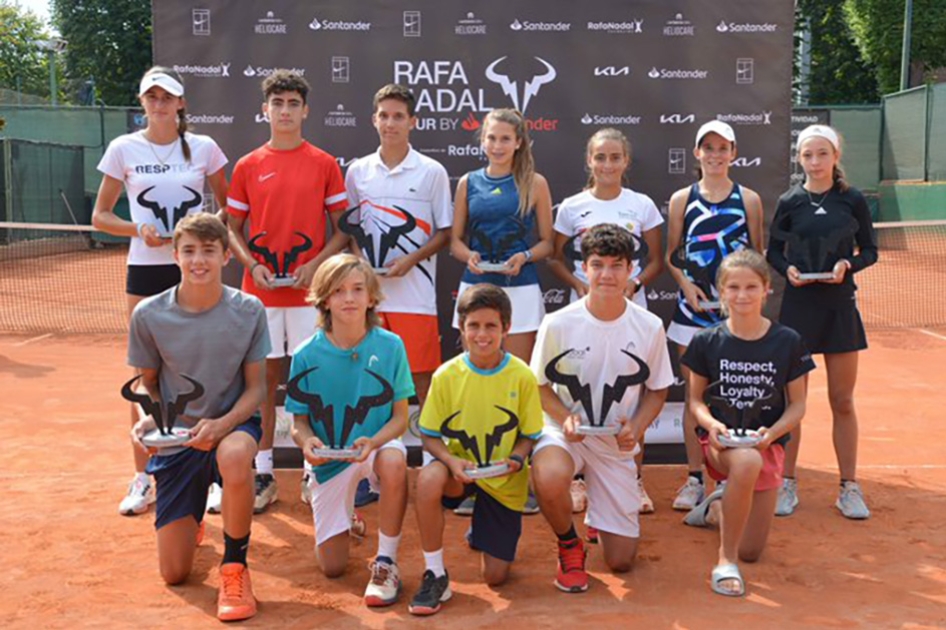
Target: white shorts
680	334
528	307
289	326
334	501
614	498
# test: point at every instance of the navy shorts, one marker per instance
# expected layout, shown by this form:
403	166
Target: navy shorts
496	528
182	479
148	280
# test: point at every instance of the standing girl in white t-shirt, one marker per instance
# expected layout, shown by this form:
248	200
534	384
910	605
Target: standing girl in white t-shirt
606	200
164	170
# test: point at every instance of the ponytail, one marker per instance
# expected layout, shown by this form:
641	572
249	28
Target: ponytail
181	130
839	178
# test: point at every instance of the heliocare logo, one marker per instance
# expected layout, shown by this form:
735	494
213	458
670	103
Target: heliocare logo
734	27
340	117
678	73
258	71
540	26
338	25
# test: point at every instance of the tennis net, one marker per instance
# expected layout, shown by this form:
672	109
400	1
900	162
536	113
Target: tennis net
903	289
71	279
61	279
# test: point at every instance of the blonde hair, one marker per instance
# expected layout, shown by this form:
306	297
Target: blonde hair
331	274
523	164
603	135
743	259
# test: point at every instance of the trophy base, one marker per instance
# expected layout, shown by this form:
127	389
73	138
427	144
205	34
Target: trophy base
709	305
822	275
336	453
486	472
749	440
380	271
587	429
167	443
491	267
283	282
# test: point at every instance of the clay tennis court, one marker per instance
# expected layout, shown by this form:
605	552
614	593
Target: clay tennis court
71	561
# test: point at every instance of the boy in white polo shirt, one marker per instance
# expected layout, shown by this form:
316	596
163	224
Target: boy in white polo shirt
393	188
601	360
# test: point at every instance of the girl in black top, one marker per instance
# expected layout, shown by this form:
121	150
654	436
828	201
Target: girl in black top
825	312
746	357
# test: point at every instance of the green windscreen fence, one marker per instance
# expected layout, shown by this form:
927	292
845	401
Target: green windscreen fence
860	127
43	183
904	137
936	153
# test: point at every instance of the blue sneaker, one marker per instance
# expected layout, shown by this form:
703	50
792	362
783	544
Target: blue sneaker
363	495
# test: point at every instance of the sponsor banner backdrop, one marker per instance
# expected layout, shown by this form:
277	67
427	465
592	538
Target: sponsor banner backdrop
656	70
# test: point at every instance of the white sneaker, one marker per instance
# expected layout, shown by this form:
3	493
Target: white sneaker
787	498
384	586
689	495
851	501
647	504
214	498
579	494
265	492
305	491
140	496
466	506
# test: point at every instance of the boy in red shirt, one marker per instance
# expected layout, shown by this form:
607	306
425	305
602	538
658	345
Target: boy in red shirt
286	189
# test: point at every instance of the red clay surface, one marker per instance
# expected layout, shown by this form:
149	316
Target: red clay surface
70	560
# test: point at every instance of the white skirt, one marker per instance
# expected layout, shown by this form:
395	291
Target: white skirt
528	307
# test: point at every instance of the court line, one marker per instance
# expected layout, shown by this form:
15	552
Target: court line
40	338
931	334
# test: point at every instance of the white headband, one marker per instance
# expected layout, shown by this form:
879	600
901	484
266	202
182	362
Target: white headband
164	81
819	131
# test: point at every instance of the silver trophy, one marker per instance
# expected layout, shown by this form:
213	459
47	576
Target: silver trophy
167	438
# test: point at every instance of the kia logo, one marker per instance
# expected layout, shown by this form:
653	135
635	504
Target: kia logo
611	71
676	119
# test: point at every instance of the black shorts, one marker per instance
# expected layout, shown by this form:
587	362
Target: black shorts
825	330
182	480
148	280
496	528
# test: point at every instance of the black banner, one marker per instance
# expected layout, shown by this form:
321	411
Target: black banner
654	69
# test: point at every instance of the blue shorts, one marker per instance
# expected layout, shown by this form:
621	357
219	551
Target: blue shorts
496	528
182	480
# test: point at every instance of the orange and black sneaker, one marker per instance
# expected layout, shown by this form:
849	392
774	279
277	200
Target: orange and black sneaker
235	600
591	535
571	576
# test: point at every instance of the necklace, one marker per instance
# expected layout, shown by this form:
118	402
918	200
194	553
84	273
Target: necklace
817	204
354	353
155	153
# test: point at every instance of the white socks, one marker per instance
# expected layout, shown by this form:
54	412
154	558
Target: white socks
387	546
264	462
434	562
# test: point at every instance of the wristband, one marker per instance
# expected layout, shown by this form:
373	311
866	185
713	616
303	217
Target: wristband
637	284
255	265
518	459
138	227
528	255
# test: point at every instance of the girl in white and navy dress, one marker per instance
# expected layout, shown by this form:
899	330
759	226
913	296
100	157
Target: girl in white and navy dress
496	210
714	217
